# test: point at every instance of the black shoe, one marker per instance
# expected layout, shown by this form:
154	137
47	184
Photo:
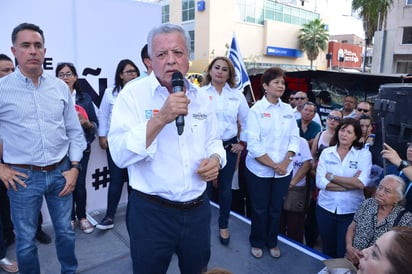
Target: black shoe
224	241
42	237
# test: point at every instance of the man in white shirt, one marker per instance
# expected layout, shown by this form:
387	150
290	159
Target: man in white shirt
168	211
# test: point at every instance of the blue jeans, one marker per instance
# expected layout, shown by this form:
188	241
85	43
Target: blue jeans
266	200
118	176
25	207
157	231
224	181
332	231
79	194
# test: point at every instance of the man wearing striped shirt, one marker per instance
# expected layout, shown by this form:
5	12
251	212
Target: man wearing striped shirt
43	143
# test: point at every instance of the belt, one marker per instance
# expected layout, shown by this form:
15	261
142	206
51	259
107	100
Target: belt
227	143
41	168
173	204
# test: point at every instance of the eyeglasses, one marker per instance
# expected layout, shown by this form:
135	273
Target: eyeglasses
334	118
130	71
299	98
64	75
362	109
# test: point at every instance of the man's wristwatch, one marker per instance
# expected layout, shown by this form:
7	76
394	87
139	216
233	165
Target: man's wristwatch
290	158
331	177
78	166
402	165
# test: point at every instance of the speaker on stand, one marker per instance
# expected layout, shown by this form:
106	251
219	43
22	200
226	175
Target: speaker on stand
393	118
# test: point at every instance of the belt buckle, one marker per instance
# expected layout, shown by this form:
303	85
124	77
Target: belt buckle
43	169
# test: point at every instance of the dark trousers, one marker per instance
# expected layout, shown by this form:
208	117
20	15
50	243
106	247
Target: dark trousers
79	194
157	231
311	225
266	199
224	186
332	231
2	244
292	224
240	197
7	228
118	176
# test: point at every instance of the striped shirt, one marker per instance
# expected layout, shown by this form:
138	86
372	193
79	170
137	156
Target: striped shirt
38	125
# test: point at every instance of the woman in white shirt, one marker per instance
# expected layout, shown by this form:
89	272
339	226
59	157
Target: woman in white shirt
126	70
230	107
273	140
342	173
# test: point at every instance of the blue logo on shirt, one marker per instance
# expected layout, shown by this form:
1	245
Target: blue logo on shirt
353	164
148	113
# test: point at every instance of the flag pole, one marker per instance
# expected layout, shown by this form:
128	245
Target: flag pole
242	77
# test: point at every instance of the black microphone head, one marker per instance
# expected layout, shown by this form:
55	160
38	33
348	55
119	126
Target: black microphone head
177	79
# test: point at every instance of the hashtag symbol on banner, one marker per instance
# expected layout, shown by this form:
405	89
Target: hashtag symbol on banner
101	178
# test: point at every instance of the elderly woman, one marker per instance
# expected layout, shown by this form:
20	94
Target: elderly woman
391	254
400	167
376	216
342	173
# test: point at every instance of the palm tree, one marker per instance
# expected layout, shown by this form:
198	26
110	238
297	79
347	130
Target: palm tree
374	14
313	38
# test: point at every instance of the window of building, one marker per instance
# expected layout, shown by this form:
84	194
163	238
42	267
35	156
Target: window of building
403	67
256	11
192	40
251	11
188	10
165	14
407	35
408	2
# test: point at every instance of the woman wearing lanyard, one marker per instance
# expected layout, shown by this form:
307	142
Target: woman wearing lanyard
88	119
231	107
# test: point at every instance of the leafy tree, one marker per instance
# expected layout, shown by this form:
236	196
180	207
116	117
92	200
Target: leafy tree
313	37
374	14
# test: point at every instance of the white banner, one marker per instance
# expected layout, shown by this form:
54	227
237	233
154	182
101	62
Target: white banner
94	35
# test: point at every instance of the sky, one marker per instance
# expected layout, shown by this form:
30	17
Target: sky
338	14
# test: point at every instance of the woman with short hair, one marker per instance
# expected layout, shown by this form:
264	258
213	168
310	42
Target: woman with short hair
342	174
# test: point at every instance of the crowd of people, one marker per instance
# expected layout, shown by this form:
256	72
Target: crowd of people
314	147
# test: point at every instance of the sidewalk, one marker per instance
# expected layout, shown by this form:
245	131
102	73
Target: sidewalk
108	251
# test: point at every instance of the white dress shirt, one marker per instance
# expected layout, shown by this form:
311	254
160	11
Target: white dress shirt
105	111
342	202
229	106
167	167
271	129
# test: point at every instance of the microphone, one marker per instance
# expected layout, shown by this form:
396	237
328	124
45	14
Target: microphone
177	83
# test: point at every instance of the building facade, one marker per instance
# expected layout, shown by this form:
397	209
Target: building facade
392	52
267	31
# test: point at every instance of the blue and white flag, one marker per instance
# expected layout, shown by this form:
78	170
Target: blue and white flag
242	78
